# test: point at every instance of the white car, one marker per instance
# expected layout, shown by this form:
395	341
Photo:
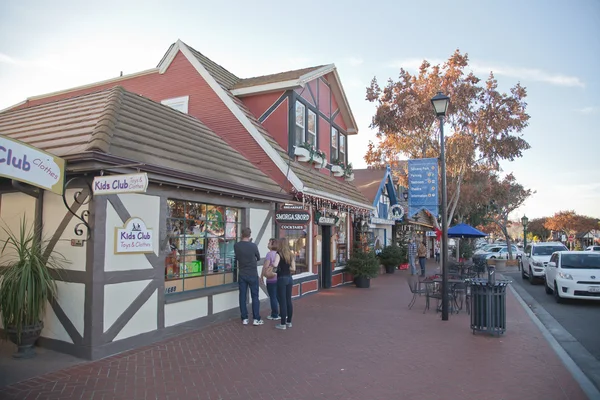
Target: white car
502	252
536	257
592	248
573	275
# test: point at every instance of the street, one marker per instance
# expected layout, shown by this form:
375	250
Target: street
579	318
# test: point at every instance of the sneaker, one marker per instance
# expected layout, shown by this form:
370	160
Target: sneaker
258	322
272	318
245	322
288	324
279	326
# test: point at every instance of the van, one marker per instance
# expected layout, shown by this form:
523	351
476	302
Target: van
573	275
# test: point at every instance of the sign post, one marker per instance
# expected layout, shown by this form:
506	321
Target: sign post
423	186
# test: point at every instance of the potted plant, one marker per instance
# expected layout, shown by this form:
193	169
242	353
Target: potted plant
307	152
466	250
391	257
26	285
363	265
337	167
349	172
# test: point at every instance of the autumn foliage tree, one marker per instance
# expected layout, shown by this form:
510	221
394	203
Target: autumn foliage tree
508	195
571	223
485	123
537	227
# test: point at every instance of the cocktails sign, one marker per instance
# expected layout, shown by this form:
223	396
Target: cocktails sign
126	183
25	163
134	237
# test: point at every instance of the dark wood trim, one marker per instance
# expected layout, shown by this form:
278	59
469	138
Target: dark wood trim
335	114
273	107
325	82
83	352
66	322
112	277
72	276
292	123
315	100
263	228
94	293
204	292
129	312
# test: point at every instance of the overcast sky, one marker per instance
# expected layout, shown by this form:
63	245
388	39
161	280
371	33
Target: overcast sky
550	47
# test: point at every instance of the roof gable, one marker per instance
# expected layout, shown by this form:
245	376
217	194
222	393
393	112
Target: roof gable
372	181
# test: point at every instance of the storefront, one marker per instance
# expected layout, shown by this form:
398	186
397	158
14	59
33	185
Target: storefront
149	246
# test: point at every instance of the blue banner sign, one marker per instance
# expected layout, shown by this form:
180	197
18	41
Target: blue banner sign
423	186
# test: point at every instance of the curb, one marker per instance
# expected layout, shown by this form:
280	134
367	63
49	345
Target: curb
580	377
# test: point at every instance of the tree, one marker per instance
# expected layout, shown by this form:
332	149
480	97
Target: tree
486	123
536	228
571	223
508	195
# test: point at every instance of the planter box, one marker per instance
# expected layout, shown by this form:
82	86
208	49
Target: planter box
318	162
302	153
337	170
350	178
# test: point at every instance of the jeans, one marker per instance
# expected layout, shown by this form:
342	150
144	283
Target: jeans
411	263
284	295
251	282
437	257
272	290
422	264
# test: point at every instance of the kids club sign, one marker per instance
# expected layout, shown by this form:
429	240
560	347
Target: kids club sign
124	183
134	237
25	163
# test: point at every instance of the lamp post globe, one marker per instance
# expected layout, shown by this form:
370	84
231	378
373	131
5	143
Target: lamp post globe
440	103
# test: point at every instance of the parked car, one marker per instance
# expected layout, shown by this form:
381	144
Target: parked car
485	248
573	275
502	252
592	248
536	258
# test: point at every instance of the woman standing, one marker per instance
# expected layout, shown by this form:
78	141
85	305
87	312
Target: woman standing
285	261
267	272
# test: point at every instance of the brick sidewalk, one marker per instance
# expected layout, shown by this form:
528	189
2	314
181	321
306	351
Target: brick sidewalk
346	343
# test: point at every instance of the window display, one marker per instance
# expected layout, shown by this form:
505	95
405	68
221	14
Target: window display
298	241
341	239
200	244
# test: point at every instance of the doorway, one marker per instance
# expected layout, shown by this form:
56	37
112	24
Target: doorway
326	257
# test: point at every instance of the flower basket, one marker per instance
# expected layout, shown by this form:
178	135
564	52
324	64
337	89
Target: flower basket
350	177
318	161
337	170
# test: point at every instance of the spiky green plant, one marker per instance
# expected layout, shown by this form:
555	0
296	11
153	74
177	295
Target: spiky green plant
26	280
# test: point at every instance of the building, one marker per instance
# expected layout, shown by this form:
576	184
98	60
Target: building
269	152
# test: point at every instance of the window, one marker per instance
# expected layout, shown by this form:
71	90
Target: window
300	123
201	239
342	148
312	128
178	103
334	144
299	245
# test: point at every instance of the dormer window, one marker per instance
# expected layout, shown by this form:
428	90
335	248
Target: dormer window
306	125
334	144
342	147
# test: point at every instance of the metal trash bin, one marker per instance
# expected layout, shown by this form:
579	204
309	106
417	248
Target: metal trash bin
488	304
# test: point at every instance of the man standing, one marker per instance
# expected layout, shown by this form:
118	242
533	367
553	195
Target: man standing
412	254
247	255
422	254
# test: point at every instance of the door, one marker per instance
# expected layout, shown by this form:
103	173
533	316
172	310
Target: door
551	271
326	258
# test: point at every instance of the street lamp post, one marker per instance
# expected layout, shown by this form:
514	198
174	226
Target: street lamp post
524	221
440	104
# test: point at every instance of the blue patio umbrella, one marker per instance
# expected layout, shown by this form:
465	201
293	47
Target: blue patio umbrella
465	231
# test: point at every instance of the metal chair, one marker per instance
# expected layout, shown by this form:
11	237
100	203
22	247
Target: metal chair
416	290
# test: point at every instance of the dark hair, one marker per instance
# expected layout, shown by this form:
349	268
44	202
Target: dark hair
246	232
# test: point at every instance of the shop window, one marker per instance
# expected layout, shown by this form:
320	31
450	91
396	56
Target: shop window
312	128
298	241
300	123
200	239
341	238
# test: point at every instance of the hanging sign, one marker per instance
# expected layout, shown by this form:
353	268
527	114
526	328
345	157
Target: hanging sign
430	234
288	206
423	186
124	183
134	237
396	212
299	217
322	219
25	163
293	227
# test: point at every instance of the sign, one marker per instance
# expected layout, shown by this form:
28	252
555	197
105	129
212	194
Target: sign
382	221
25	163
423	186
292	227
134	237
396	212
300	217
323	219
125	183
291	207
430	234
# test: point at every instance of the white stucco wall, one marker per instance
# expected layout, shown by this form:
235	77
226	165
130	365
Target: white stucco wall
226	301
183	311
71	298
143	206
54	212
145	320
13	208
119	296
257	219
53	329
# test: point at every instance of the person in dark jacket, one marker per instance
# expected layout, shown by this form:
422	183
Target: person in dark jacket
247	255
285	261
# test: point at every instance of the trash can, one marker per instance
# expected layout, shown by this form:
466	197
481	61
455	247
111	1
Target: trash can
488	304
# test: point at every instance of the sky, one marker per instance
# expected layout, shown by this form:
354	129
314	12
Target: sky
550	47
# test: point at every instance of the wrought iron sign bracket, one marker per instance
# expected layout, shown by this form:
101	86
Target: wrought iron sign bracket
82	197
